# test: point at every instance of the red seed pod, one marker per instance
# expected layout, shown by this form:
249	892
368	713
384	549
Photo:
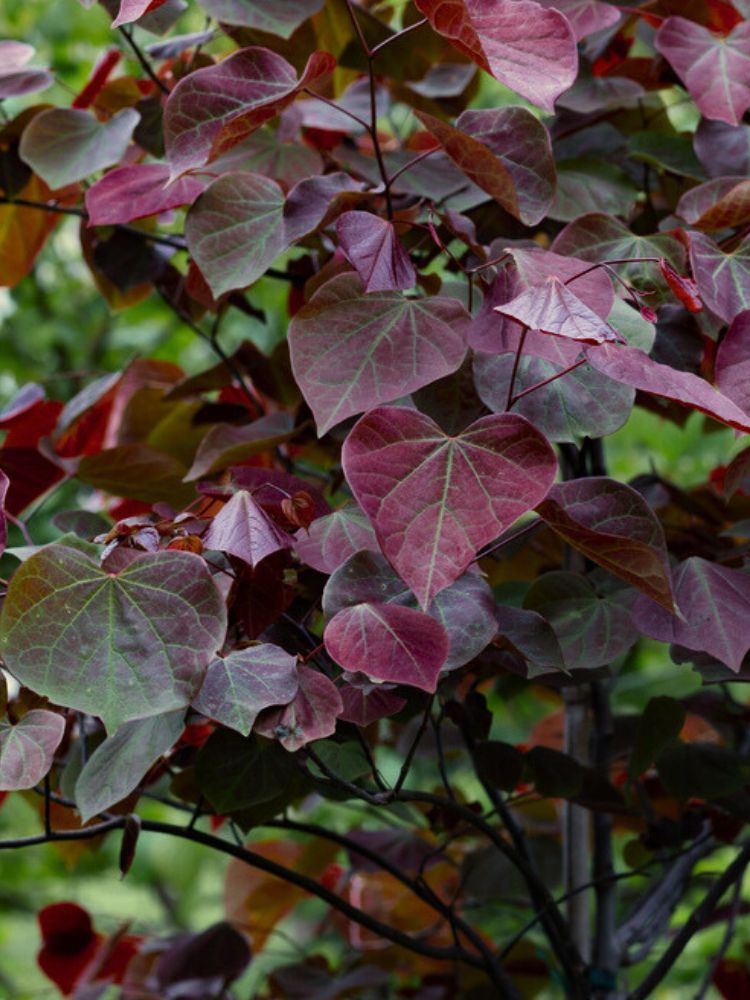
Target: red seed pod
684	288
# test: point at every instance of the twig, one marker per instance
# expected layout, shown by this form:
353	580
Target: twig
405	767
725	941
512	384
399	34
144	63
546	381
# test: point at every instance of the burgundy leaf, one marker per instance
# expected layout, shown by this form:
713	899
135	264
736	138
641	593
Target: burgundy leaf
714	602
387	642
131	10
585	16
737	475
732	367
270	486
212	109
226	445
315	202
27	748
553	308
721	203
636	368
348	348
310	716
365	702
529	49
4	483
534	265
436	500
723	278
64	145
613	526
714	68
243	529
16	78
722	149
331	539
135	192
245	682
373	249
533	637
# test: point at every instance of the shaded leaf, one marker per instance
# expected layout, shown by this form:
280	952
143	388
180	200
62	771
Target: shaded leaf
532	636
700	770
244	530
435	500
365	703
715	605
64	145
124	645
27	748
372	247
311	715
722	149
240	685
16	78
499	764
235	772
118	764
529	49
368	336
226	444
588	185
612	525
4	483
660	723
207	962
732	365
554	774
388	642
264	15
138	472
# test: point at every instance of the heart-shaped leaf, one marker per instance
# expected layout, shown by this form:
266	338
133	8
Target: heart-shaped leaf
732	367
226	445
118	764
16	78
27	749
529	49
435	500
212	109
721	203
122	646
369	335
715	605
722	149
65	145
636	368
131	10
243	529
612	525
330	540
365	703
245	682
714	68
235	772
532	636
553	308
134	192
723	278
269	16
311	715
373	249
388	642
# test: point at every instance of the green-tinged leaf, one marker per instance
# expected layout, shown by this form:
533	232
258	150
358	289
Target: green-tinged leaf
137	472
554	774
700	770
122	646
660	724
118	764
236	772
587	185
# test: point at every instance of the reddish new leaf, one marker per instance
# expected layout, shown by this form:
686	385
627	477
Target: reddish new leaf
245	682
213	109
348	349
387	642
684	288
613	526
714	68
723	279
331	539
16	78
529	49
553	308
365	703
374	250
714	602
310	716
135	192
634	367
27	749
243	529
732	366
435	500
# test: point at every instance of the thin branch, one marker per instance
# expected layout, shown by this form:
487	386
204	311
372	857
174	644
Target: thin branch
337	107
21	525
546	381
406	766
693	924
512	384
394	38
144	63
726	940
411	163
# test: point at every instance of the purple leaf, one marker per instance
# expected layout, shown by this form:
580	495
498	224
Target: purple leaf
27	749
387	642
721	203
723	278
529	49
436	500
271	16
585	16
714	68
522	145
121	646
373	249
245	682
264	153
16	78
226	445
118	764
553	308
330	540
64	145
365	703
714	602
131	10
532	636
310	716
135	192
199	966
316	201
737	475
348	348
244	530
722	149
270	486
4	484
212	109
732	369
592	630
634	367
613	526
